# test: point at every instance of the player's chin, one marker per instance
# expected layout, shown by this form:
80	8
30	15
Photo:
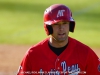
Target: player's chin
62	39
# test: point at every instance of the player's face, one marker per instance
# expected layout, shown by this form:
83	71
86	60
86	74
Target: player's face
60	31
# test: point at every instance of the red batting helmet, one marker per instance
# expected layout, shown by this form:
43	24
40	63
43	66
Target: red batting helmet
56	13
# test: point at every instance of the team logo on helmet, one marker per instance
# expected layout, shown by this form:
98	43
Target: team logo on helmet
60	13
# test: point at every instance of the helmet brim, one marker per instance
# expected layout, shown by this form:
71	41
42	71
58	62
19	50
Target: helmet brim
55	21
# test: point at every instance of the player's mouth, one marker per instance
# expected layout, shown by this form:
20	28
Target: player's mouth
61	34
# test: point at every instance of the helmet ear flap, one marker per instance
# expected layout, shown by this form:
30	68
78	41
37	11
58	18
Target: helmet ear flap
48	29
71	26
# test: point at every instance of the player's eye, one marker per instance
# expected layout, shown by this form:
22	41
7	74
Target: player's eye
55	24
65	22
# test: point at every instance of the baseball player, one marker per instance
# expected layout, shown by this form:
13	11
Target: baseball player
59	54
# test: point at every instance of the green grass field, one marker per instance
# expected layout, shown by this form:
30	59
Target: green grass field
21	21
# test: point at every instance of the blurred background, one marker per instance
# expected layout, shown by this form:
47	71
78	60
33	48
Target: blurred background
21	26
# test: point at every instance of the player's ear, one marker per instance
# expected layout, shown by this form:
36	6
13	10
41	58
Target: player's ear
71	26
50	29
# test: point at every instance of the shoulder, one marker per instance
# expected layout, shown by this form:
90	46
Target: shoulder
41	43
36	50
37	47
80	48
77	44
83	51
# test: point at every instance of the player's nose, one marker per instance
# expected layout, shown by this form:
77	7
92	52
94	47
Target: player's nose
61	27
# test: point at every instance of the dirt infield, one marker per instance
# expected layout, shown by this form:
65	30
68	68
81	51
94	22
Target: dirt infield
11	56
